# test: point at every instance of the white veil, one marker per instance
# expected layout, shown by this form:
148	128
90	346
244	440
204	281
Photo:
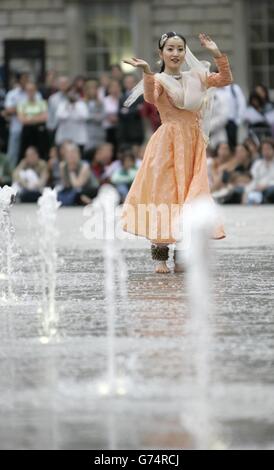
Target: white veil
206	96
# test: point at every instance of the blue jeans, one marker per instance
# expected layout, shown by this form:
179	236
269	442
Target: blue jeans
68	197
122	189
268	195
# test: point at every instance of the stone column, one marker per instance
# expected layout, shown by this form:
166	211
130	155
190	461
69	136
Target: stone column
240	49
75	33
142	30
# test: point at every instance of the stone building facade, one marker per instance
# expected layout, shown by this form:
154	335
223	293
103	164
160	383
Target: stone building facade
85	36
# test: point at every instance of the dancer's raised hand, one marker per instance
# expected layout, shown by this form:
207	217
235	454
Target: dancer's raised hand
135	62
207	42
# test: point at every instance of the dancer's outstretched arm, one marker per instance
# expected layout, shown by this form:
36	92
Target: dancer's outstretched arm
224	76
152	88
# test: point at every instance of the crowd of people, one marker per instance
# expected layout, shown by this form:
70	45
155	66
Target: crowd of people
75	135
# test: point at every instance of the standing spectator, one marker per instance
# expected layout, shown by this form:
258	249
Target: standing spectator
30	176
104	81
13	99
78	86
5	170
79	183
32	114
4	132
131	126
110	168
261	188
220	116
54	100
236	104
49	87
111	105
150	112
72	116
117	73
96	113
254	117
267	105
263	93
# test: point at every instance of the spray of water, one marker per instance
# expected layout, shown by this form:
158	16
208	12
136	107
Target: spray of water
115	267
7	245
199	221
47	239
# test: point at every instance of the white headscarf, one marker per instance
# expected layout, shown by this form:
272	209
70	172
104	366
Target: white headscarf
188	93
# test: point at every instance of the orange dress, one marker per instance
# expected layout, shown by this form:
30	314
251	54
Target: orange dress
174	167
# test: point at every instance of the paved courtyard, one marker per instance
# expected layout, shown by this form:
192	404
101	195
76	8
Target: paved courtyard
54	394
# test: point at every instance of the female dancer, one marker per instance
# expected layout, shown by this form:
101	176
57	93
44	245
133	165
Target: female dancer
174	169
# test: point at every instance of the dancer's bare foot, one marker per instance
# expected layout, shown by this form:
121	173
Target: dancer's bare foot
161	267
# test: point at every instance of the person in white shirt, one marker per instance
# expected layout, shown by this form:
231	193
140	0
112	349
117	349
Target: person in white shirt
261	188
111	106
235	108
53	102
72	116
220	115
255	118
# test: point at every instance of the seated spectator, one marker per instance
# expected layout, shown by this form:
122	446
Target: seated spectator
100	159
261	188
239	163
235	175
96	114
222	154
253	146
30	176
62	149
116	164
138	151
122	178
72	118
5	169
54	167
33	115
79	184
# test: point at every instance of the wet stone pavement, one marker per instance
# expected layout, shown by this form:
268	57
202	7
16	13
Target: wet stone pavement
54	394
